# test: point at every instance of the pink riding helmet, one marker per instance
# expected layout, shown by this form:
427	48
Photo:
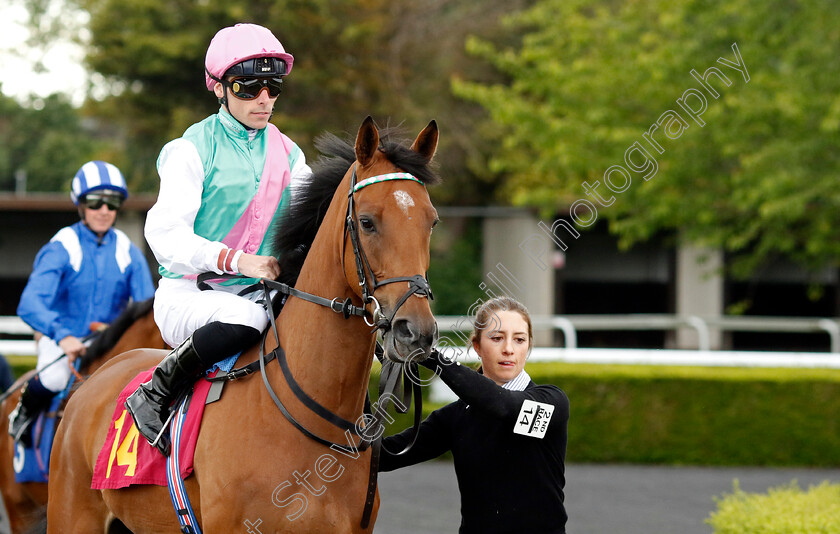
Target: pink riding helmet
238	43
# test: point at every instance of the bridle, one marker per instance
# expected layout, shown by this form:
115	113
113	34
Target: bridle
417	284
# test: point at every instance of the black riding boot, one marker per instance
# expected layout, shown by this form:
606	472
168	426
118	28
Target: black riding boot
34	399
149	405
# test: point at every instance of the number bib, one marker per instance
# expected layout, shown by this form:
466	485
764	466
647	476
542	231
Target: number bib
533	419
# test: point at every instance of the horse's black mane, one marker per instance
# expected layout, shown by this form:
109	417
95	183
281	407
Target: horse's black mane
106	340
296	229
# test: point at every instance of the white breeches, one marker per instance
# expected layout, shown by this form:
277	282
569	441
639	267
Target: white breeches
181	308
54	377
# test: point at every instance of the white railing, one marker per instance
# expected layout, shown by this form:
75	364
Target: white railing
13	325
571	324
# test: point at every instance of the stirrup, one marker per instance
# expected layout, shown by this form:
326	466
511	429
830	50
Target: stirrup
162	433
14	420
14	415
24	426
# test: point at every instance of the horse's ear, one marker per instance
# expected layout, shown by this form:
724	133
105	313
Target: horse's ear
426	142
367	141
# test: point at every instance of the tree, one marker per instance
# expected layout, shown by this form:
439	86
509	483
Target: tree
353	58
752	170
43	140
392	60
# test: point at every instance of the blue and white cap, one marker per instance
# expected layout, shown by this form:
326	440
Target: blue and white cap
96	176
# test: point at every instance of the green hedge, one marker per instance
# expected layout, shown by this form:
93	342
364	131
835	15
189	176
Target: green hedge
697	415
782	510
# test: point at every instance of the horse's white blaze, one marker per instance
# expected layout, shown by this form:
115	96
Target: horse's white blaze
404	200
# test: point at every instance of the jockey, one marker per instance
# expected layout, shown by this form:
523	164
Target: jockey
87	273
222	184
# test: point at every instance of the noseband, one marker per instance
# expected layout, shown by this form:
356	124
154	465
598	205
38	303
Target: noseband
417	284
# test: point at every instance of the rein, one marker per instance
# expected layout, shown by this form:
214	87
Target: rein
390	379
18	384
308	401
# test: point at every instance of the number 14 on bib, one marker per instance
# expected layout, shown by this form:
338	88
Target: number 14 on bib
533	419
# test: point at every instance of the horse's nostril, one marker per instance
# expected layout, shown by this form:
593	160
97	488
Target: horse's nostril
404	332
412	337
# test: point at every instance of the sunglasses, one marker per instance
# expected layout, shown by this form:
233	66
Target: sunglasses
249	88
95	202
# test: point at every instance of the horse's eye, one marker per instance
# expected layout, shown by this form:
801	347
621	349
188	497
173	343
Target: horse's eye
435	223
367	224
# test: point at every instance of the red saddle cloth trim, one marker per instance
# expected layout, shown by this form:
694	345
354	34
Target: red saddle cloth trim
126	458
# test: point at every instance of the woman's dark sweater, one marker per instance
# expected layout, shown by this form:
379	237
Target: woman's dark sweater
509	482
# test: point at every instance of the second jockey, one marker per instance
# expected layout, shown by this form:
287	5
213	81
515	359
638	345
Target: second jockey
87	273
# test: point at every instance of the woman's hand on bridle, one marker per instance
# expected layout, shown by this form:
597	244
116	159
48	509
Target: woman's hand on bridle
254	266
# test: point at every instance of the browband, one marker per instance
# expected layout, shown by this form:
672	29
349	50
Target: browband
384	178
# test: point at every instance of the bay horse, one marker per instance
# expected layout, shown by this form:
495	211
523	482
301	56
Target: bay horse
251	465
133	328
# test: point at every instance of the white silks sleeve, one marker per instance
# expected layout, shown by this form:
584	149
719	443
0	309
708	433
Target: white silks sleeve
169	226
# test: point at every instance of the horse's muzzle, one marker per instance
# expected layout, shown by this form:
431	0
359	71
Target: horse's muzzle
409	340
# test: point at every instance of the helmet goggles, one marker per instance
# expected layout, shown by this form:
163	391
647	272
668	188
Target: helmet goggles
98	199
249	88
245	50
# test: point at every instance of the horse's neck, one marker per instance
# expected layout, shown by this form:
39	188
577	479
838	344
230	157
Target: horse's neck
329	356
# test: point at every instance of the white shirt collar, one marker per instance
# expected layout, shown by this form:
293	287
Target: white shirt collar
519	383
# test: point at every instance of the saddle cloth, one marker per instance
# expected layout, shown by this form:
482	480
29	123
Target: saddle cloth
126	458
31	464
